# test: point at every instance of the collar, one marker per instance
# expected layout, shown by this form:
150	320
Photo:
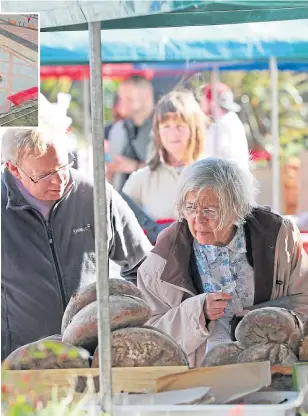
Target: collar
237	245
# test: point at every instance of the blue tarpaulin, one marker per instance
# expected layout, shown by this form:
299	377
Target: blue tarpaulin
237	43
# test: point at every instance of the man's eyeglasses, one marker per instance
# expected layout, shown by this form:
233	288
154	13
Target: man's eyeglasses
48	175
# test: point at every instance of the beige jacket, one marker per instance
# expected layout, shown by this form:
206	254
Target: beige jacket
154	190
172	288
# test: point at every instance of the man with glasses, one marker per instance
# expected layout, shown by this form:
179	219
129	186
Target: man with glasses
48	248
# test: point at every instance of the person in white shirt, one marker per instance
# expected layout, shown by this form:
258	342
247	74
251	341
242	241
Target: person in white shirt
226	137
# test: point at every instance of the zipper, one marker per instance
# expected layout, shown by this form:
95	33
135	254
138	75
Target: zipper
58	273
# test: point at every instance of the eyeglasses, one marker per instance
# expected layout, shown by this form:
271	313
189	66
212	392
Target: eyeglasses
47	175
211	214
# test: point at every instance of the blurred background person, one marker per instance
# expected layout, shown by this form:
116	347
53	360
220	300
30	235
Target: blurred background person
226	137
130	139
119	112
179	130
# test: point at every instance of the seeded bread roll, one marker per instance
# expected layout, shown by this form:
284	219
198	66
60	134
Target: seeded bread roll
270	324
277	354
143	347
222	354
125	311
87	295
47	354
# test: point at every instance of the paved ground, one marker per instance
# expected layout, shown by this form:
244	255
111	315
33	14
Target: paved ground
21	19
18	58
23	35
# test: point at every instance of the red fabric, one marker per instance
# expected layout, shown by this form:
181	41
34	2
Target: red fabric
161	221
164	220
221	88
260	155
24	96
305	244
80	72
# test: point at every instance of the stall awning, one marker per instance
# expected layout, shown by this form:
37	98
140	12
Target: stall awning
128	14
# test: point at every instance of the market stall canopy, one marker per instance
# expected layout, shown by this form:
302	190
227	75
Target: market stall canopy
240	42
129	14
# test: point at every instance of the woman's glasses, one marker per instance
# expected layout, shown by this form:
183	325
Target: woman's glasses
209	213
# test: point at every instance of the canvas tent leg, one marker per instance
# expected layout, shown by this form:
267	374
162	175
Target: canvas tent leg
86	122
215	81
275	136
100	210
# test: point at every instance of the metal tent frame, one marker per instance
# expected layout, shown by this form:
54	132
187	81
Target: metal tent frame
197	13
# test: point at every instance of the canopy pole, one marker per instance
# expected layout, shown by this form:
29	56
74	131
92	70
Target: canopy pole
100	210
275	136
86	121
215	81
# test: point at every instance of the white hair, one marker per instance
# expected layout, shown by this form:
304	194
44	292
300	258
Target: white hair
16	142
235	188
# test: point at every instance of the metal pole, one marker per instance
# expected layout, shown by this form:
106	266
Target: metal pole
215	80
100	210
275	136
86	122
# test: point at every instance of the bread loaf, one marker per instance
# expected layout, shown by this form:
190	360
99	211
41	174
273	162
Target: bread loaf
222	354
270	324
143	347
303	350
277	354
55	337
87	295
47	354
124	311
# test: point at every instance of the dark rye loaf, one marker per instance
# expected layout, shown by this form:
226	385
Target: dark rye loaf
87	295
47	354
303	350
143	347
125	311
222	354
277	354
270	324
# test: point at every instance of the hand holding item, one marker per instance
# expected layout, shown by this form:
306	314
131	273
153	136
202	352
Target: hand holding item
215	304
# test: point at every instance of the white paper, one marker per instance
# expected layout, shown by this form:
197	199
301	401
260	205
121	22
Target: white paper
165	398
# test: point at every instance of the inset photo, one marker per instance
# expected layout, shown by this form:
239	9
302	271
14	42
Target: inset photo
19	69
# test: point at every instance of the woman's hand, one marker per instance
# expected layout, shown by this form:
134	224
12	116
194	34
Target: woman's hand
214	305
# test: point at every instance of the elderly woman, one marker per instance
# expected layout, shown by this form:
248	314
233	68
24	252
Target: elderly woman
222	256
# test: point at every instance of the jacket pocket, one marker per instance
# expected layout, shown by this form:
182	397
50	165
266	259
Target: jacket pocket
5	330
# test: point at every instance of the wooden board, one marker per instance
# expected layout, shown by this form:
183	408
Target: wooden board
128	379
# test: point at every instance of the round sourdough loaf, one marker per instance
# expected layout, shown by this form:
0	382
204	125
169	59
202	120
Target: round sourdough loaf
47	354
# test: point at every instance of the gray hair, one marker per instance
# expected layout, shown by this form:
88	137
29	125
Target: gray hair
235	188
18	141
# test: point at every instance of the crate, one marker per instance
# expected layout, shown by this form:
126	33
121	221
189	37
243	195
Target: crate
126	379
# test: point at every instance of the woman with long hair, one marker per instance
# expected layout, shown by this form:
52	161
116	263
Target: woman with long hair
179	134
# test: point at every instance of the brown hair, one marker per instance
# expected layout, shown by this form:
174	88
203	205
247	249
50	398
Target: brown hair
184	106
